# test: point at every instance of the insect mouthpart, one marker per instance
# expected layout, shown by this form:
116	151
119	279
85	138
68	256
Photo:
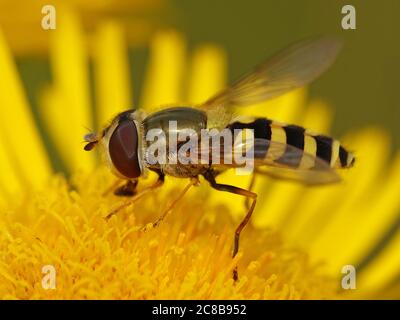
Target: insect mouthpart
91	139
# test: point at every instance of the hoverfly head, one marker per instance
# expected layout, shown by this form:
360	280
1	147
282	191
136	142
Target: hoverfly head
122	144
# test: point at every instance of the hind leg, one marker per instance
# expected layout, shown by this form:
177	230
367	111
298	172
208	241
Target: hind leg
242	192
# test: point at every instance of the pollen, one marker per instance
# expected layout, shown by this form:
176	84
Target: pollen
187	257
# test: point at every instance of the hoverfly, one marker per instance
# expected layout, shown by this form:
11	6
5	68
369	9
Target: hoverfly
280	150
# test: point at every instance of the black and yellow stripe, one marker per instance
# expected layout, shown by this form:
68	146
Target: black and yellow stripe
262	130
320	146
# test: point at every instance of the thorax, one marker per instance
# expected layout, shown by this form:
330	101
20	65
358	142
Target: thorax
173	123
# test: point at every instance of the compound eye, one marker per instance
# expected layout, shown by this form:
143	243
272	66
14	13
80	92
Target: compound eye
123	149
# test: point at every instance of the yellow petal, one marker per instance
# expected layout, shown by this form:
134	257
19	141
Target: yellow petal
111	66
53	105
10	181
71	81
208	73
373	218
383	270
25	149
287	108
339	215
318	117
164	77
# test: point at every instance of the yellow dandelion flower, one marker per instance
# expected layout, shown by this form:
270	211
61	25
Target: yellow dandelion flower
298	243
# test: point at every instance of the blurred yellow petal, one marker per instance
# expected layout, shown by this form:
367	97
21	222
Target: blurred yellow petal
271	211
53	105
164	77
71	81
10	182
318	117
24	146
3	199
286	108
208	73
111	67
373	218
383	269
335	232
69	64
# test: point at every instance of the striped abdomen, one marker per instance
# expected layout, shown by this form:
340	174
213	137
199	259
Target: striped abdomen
319	146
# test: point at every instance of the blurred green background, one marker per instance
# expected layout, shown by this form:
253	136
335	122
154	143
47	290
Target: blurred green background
362	86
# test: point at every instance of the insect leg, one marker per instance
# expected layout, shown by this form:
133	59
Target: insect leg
193	181
251	186
127	190
112	187
246	193
139	195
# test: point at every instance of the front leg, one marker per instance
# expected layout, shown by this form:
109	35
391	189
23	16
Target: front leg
139	195
127	190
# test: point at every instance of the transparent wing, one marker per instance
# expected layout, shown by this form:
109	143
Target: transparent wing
308	177
275	159
293	67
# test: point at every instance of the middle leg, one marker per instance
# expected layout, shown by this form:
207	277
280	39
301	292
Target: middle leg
193	182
